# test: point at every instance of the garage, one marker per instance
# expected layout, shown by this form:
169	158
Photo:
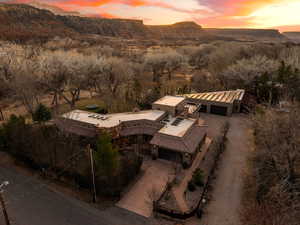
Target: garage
219	110
221	102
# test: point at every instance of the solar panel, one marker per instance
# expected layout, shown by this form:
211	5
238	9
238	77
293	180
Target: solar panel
176	121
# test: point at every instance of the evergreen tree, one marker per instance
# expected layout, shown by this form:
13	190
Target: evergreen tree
106	156
42	114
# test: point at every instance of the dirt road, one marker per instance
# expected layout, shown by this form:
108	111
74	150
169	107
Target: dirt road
223	209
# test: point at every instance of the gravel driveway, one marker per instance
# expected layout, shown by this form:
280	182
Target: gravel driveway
223	209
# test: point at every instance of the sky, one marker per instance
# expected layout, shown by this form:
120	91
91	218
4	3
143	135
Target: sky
281	14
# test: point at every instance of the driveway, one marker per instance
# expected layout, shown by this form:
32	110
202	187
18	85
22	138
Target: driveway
30	202
224	207
155	176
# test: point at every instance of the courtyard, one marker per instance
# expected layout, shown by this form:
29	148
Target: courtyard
151	183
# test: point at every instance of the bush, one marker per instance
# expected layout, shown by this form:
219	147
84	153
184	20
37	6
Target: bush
191	186
42	114
198	178
101	111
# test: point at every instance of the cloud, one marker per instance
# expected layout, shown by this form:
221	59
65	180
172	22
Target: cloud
236	7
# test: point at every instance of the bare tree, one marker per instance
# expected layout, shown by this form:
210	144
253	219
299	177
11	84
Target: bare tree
156	63
244	71
53	74
116	72
174	61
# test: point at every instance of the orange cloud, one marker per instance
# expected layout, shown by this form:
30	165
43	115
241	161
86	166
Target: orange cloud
247	7
236	7
95	3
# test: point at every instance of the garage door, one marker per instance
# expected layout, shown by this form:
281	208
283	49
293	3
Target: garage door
219	110
203	108
169	155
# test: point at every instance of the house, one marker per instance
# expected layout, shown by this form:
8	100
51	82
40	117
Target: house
171	129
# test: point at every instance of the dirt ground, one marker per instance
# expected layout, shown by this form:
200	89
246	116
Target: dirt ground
223	208
18	108
139	198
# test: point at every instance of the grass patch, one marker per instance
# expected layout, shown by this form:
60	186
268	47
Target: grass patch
82	104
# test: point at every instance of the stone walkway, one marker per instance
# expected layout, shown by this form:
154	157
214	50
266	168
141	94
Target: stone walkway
178	190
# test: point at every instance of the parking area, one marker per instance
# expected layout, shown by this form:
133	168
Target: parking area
151	184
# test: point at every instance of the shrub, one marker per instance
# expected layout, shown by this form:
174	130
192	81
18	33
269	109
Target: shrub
198	178
191	186
42	114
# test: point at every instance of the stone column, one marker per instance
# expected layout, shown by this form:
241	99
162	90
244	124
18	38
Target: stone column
208	108
187	159
229	110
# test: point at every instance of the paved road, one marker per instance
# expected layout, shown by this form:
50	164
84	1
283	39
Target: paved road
31	203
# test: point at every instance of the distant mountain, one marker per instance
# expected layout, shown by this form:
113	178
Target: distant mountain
248	34
294	36
182	30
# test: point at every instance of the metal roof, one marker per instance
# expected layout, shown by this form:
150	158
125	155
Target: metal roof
220	96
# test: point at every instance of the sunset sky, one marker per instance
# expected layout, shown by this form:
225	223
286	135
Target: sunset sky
284	14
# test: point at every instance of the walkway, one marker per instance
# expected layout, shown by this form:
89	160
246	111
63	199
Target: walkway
179	190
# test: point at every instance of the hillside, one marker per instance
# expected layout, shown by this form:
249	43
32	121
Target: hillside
23	22
294	36
248	34
20	22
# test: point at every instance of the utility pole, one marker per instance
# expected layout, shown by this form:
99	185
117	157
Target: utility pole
93	173
2	202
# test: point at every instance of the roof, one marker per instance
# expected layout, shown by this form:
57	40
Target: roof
180	129
220	96
187	144
170	100
112	120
